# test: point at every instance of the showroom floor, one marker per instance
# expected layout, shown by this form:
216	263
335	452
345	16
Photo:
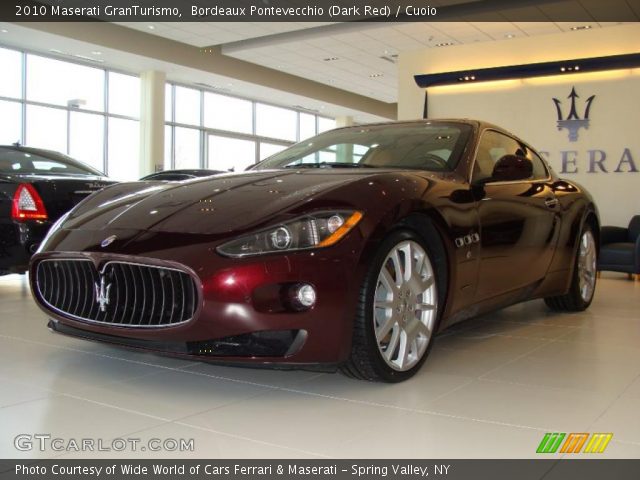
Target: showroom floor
492	387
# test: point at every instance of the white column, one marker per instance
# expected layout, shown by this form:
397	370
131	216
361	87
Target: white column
344	121
151	121
344	153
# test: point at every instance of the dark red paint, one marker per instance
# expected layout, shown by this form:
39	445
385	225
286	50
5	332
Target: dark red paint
526	249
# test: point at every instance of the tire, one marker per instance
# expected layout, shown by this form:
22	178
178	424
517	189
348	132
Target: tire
397	308
583	282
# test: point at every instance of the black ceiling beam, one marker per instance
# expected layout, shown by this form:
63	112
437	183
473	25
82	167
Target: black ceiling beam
530	70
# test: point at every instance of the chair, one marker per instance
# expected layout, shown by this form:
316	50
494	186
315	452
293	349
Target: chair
620	248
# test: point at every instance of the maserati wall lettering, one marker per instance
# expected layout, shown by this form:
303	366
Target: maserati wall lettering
593	160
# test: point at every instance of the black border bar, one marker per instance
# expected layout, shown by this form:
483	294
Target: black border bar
317	11
361	469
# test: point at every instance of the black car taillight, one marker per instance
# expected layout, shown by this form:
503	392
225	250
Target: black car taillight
27	204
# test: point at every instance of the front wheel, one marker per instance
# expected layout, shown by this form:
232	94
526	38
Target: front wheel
397	312
583	284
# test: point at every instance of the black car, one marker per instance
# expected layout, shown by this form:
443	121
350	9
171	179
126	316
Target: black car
37	187
179	175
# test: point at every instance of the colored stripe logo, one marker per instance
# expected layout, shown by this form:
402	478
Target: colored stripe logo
574	442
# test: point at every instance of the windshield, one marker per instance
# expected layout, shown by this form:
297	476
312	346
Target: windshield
422	146
37	162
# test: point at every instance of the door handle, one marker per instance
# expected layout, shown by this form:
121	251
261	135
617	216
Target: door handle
551	202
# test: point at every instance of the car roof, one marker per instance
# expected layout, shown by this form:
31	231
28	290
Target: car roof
476	124
416	121
189	171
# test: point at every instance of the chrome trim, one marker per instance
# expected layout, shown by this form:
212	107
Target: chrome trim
101	271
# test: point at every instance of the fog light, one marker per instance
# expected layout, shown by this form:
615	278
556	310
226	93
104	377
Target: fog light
304	296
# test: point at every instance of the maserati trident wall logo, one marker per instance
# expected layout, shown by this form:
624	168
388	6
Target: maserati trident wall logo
102	293
573	122
108	241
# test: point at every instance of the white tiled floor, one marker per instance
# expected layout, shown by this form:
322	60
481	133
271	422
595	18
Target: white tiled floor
491	388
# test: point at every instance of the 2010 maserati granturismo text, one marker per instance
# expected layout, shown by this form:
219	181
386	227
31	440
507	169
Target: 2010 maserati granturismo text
349	250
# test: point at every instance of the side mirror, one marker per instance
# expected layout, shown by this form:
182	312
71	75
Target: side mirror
512	168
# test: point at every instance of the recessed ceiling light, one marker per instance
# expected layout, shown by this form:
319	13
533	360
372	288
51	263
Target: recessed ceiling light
509	35
581	27
330	59
376	75
444	44
4	30
96	52
85	57
151	27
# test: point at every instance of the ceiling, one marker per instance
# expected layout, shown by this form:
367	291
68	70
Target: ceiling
24	37
355	57
361	59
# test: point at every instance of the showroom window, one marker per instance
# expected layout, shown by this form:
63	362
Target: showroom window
65	84
187	106
47	128
187	147
276	122
123	148
206	129
10	122
84	111
11	78
124	95
227	113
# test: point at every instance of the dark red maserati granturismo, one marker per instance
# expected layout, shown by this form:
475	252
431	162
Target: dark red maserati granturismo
348	250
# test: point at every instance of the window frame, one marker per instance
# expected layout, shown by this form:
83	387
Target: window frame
524	145
106	114
206	132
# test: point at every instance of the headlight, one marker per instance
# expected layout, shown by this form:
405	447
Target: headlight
317	230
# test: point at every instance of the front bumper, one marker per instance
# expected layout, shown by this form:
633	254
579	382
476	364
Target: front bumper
240	305
185	351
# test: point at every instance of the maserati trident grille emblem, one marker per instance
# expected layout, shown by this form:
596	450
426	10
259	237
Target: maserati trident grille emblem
102	293
573	122
108	241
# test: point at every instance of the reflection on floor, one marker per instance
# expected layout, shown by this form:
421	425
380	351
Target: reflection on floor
492	387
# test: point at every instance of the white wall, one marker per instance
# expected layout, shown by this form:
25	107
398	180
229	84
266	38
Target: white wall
526	107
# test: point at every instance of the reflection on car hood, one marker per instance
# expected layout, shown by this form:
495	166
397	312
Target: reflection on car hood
214	205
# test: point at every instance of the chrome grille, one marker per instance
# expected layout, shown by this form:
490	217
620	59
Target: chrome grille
122	293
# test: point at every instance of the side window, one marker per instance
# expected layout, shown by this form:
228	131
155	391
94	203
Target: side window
539	168
493	146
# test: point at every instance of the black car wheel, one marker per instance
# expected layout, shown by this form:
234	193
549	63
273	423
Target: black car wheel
397	312
583	284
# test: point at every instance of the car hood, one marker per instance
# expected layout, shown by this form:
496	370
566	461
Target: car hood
215	205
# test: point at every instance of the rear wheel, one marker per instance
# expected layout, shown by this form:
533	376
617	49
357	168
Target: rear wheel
583	284
397	312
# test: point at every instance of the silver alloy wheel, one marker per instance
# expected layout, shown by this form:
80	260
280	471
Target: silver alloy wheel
405	305
587	266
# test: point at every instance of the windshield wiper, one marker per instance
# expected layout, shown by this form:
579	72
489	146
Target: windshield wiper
331	165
